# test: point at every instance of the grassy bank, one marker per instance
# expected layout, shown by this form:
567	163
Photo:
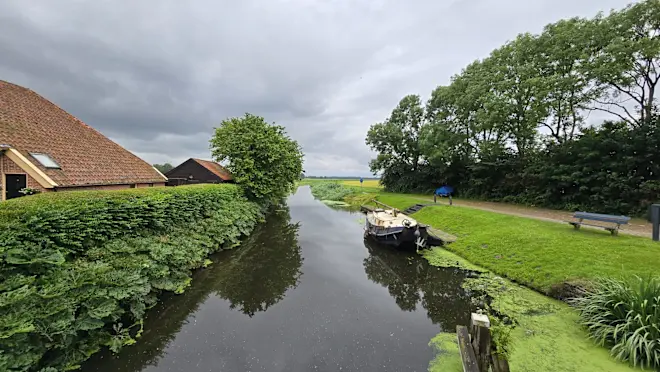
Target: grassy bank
537	256
78	270
546	335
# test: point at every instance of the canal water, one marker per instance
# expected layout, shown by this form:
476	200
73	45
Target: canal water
305	292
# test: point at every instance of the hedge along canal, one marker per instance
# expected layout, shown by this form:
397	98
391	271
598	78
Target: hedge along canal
302	293
78	270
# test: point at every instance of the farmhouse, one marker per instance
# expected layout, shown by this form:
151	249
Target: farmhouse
198	171
44	148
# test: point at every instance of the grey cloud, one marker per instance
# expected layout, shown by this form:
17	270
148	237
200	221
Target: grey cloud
157	76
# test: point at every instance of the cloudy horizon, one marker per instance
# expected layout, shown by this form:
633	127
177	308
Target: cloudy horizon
158	76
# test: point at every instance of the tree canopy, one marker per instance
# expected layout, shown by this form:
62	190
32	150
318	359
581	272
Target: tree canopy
163	168
260	156
514	125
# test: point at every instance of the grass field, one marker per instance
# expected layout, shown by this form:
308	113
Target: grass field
367	183
535	253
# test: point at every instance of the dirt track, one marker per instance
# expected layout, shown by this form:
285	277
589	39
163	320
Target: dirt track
636	226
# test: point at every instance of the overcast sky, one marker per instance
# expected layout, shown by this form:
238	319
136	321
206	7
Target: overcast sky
156	76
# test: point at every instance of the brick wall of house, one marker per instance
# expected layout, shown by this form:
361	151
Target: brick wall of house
108	187
7	166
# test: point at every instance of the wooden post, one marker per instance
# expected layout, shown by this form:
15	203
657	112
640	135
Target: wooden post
465	347
480	332
655	221
476	347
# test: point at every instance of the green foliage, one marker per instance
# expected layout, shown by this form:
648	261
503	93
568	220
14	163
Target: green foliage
625	61
261	157
334	191
397	142
28	191
625	315
502	337
511	127
164	168
79	269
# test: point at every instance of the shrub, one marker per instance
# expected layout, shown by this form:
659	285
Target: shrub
330	191
261	157
625	315
79	269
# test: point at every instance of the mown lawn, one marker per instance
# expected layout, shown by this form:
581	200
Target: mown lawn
535	253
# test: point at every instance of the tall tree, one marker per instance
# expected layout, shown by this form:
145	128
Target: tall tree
396	140
261	157
519	89
626	47
569	90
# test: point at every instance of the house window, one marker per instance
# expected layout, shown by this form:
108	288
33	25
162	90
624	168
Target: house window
151	185
133	185
45	160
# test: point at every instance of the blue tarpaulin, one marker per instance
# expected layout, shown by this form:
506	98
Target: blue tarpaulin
444	191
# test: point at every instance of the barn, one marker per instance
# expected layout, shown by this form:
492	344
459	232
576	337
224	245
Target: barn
198	171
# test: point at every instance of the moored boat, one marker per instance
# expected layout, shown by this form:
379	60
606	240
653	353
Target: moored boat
392	227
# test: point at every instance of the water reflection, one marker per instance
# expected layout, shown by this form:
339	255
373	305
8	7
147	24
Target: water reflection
412	282
252	278
243	314
265	267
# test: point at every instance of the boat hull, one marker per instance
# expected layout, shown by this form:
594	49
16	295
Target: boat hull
401	237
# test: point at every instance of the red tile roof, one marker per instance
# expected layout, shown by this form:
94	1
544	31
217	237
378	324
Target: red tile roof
215	168
31	123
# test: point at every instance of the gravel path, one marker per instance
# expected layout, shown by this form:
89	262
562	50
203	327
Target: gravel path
636	226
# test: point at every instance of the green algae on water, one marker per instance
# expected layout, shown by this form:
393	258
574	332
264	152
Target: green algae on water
448	357
546	335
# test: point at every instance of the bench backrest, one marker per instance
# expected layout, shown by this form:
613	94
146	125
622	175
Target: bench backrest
602	217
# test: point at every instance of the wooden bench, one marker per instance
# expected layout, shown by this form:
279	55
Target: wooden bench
608	222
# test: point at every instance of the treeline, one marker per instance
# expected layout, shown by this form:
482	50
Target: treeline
514	126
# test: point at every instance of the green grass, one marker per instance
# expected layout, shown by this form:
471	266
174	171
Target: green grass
546	337
538	254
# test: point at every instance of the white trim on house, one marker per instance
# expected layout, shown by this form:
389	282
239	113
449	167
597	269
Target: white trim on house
161	174
31	169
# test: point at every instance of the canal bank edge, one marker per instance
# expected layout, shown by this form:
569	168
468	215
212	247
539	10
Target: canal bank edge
108	257
546	335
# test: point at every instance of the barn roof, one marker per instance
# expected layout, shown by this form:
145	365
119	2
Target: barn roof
215	168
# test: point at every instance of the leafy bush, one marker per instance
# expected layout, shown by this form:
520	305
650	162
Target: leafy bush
625	315
330	191
79	269
261	157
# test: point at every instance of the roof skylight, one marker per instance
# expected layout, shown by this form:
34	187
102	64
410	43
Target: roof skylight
45	160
